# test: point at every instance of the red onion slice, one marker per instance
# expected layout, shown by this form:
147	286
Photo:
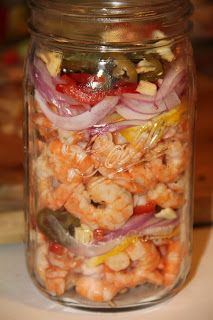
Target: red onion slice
87	250
143	225
113	127
45	84
172	78
143	98
127	113
132	225
81	121
171	100
142	107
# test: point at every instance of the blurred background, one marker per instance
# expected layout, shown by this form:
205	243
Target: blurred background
13	48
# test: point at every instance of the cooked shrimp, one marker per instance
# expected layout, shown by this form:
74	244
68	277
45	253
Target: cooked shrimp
123	179
172	163
51	193
144	252
64	262
136	179
50	196
44	126
145	259
179	184
118	262
55	280
41	261
143	175
172	262
165	197
97	290
66	160
73	137
111	155
112	207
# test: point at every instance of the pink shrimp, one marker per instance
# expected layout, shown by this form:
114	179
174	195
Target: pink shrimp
145	260
97	290
51	193
68	160
123	179
172	262
45	127
111	155
165	197
172	163
113	204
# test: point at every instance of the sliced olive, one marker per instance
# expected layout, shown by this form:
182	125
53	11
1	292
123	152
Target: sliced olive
124	68
151	68
81	62
65	219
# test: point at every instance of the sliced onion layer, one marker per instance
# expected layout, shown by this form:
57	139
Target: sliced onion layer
172	79
45	84
113	127
77	247
128	113
81	121
144	224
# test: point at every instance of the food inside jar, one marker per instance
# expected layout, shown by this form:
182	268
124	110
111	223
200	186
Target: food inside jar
111	165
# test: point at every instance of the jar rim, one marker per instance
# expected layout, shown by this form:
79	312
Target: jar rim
108	25
122	9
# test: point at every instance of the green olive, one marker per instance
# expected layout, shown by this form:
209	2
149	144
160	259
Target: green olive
81	62
123	67
156	73
65	219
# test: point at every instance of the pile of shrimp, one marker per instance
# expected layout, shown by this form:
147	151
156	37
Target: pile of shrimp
100	179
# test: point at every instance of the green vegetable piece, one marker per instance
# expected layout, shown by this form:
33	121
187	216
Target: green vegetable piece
154	75
81	62
124	68
66	220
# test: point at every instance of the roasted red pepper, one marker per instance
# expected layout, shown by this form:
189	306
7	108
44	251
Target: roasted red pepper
98	234
76	86
56	248
145	208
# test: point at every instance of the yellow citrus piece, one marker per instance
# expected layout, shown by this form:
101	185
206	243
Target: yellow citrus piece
155	127
94	262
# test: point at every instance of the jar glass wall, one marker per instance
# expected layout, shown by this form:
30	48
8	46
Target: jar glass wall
109	151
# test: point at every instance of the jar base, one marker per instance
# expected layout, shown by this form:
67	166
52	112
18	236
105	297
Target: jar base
146	295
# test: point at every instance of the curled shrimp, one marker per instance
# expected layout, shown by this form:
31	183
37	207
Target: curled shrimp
136	179
45	128
172	163
79	138
165	197
145	259
101	204
123	179
56	272
98	290
51	193
67	160
172	262
111	155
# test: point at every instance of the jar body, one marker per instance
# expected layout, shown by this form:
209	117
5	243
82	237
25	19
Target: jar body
109	140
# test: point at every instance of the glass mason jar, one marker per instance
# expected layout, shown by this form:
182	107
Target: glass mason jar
109	150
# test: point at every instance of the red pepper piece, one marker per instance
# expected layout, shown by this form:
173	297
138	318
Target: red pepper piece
80	94
56	248
146	208
124	87
98	234
85	94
